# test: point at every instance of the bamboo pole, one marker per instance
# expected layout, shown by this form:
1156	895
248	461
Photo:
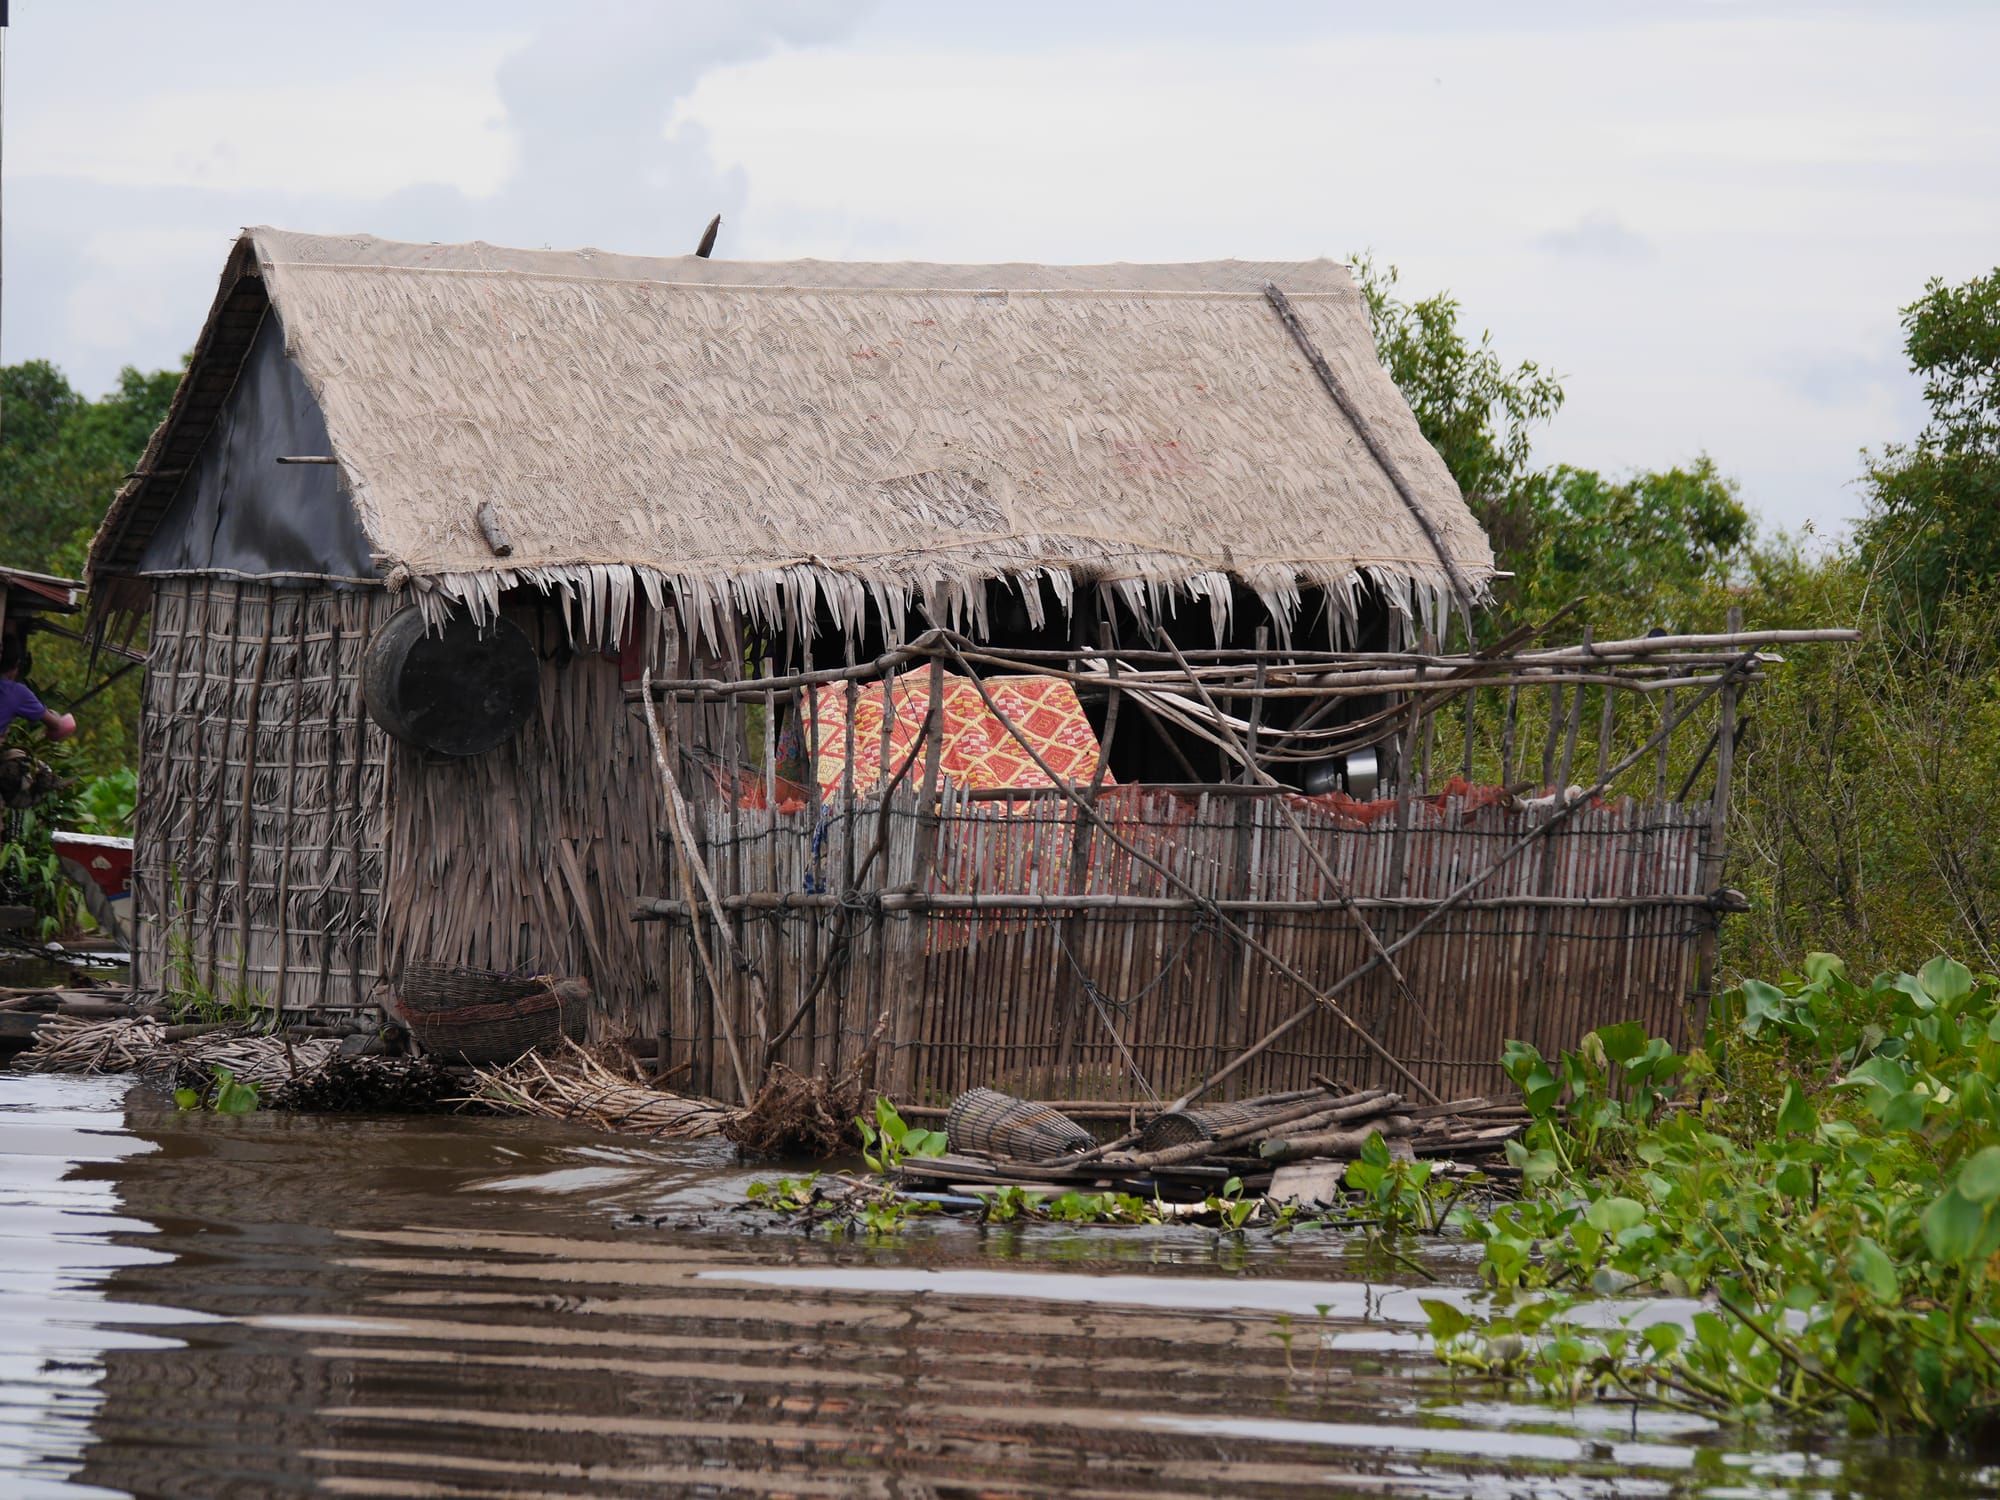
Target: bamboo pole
782	903
689	860
1714	856
909	967
1712	650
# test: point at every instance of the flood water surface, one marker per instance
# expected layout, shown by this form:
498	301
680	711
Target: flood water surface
454	1307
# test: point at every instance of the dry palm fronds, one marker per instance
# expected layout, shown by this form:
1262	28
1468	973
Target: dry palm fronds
577	1086
266	1061
71	1044
530	351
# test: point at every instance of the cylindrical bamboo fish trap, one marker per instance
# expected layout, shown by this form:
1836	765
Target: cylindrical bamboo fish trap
996	1124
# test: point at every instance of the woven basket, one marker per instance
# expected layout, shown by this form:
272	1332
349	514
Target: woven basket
1182	1127
996	1124
477	1016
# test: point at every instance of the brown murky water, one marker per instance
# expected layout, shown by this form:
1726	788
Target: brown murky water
277	1305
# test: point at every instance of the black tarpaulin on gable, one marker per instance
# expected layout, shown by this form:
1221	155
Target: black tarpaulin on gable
239	509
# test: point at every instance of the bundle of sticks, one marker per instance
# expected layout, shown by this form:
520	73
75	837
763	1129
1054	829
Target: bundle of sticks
579	1087
74	1044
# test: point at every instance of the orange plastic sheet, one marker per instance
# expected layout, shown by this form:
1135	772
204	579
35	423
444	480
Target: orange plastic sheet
977	752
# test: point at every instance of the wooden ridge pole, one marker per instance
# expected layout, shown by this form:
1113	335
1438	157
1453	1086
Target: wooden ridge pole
1460	584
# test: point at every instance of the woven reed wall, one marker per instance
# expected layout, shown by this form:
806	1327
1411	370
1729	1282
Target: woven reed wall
526	858
261	793
1029	1003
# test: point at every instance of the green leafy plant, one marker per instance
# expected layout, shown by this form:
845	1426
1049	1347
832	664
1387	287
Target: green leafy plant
31	872
1232	1209
106	803
1843	1230
1402	1197
1097	1208
223	1096
887	1141
840	1204
787	1194
1011	1203
887	1214
191	994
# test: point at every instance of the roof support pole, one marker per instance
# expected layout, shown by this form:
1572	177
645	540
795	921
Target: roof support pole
688	860
1460	584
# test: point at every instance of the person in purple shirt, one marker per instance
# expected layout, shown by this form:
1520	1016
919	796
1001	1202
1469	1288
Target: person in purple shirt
17	699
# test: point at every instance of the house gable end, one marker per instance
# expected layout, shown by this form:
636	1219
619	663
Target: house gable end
239	510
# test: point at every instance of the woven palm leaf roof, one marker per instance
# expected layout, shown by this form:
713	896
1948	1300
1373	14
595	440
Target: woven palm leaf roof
772	434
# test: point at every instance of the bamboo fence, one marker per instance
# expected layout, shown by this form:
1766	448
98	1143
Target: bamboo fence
1143	943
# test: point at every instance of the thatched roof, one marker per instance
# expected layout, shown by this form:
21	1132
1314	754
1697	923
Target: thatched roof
765	432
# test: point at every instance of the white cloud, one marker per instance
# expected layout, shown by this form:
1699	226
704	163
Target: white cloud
362	136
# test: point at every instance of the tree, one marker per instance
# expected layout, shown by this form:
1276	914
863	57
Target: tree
1652	548
62	457
1933	521
1470	406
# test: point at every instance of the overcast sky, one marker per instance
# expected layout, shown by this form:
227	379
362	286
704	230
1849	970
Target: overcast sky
1703	216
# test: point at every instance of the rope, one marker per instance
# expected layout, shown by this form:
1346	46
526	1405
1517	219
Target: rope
1100	1000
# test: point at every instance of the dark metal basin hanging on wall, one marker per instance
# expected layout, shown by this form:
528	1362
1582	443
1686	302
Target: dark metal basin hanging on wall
462	690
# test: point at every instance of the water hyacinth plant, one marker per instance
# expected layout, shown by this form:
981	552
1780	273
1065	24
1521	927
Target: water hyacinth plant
1823	1176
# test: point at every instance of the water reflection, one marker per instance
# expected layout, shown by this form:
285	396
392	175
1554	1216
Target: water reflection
57	1217
454	1308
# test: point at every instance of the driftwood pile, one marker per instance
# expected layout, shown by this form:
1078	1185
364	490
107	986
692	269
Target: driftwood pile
794	1115
1179	1154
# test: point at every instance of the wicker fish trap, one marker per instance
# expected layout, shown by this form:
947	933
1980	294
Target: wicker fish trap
1183	1127
477	1016
996	1124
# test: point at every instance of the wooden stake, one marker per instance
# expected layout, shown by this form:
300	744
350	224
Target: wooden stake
688	861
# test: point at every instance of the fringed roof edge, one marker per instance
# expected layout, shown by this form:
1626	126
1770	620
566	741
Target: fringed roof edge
597	599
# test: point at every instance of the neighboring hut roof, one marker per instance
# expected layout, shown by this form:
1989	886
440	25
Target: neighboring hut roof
768	432
23	591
